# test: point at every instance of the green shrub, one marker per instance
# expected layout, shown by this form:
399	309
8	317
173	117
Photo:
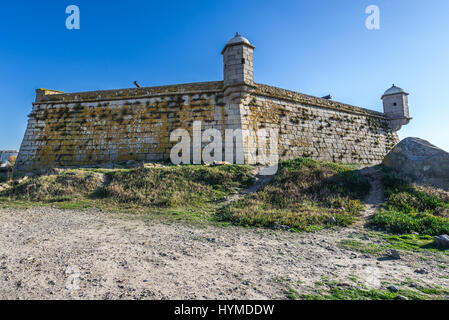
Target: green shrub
406	197
412	208
400	222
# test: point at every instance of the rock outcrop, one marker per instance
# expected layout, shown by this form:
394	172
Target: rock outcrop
441	241
421	161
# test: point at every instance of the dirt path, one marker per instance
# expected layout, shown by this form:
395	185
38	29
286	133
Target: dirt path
47	253
375	197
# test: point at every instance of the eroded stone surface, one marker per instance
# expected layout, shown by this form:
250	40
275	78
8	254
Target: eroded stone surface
421	161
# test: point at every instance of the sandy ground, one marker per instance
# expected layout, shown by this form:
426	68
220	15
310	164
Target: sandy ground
47	253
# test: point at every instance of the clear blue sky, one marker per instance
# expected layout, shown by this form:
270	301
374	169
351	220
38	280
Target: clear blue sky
315	47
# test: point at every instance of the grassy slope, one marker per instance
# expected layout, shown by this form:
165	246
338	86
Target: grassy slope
188	191
304	194
412	208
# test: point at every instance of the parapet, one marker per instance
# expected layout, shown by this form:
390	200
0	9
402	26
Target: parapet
41	94
283	94
53	96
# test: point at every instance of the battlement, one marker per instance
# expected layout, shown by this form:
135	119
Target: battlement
283	94
53	96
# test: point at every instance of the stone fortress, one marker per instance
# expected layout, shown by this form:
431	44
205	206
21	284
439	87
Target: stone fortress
99	127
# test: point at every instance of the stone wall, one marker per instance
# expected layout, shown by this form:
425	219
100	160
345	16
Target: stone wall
112	126
81	129
317	128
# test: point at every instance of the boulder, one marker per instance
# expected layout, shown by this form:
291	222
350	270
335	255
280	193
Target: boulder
442	241
393	288
393	254
420	161
332	220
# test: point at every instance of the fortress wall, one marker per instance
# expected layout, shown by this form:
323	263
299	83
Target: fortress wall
82	129
100	127
318	128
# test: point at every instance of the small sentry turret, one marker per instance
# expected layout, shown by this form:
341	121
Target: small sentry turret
395	102
238	61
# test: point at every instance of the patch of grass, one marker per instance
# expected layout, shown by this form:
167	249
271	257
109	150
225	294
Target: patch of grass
433	291
336	292
18	204
412	208
292	294
59	187
175	187
75	205
366	248
405	242
353	278
313	228
410	242
304	194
